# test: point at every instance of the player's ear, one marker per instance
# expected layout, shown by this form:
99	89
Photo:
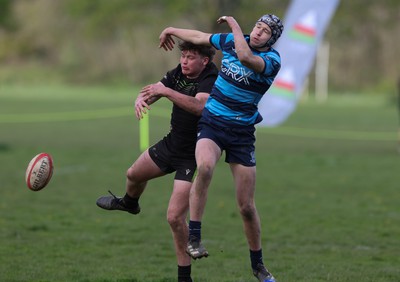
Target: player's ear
206	60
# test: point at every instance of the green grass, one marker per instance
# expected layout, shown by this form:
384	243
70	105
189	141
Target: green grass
327	193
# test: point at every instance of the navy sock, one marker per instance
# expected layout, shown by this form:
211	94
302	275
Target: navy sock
130	202
195	229
256	258
184	273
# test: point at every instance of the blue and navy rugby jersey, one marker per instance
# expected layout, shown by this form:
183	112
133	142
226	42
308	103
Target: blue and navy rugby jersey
238	89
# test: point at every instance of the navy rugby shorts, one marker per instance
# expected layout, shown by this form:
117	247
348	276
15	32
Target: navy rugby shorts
238	143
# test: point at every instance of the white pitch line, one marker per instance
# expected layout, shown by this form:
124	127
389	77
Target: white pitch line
165	113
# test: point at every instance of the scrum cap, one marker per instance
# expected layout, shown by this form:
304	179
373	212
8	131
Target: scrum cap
275	25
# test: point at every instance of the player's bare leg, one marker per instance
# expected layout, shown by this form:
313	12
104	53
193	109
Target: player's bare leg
207	155
137	176
245	180
176	215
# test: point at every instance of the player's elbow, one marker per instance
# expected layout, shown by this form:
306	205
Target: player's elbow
245	58
199	103
251	62
201	38
198	111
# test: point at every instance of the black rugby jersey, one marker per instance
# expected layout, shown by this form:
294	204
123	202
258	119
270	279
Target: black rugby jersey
183	132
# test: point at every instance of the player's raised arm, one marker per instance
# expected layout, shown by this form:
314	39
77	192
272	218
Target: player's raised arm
190	35
242	48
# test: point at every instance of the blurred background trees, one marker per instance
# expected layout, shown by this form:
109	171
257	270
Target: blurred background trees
102	41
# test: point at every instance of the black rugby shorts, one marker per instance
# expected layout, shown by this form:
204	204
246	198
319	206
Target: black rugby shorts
170	162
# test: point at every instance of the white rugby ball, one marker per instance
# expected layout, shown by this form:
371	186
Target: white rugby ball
39	171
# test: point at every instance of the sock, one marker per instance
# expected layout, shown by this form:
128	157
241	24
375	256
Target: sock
184	273
195	229
256	258
130	202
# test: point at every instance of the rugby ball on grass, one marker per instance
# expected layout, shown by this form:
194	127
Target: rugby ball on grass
39	171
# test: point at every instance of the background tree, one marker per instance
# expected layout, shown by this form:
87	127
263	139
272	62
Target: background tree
85	41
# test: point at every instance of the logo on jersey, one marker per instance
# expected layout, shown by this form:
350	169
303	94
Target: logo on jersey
187	171
252	157
236	72
155	152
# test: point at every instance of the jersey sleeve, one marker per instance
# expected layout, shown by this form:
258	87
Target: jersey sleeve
168	80
272	63
218	40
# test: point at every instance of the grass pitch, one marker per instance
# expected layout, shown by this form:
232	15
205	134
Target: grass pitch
327	193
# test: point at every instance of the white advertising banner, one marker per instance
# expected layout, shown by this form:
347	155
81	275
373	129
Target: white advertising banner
305	24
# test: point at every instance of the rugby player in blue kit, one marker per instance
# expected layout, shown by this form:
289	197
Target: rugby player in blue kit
248	68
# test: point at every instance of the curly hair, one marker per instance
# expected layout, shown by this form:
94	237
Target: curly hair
204	50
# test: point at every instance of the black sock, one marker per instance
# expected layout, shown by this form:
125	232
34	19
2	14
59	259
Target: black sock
130	202
184	273
195	229
256	258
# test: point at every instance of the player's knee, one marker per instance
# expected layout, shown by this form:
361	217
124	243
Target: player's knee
247	211
205	170
174	220
131	175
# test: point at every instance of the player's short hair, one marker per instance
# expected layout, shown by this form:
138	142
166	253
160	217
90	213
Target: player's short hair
204	50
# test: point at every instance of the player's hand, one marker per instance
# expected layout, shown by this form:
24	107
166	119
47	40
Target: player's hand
141	107
222	19
155	90
229	20
166	41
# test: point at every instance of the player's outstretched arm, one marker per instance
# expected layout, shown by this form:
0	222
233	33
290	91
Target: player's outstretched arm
194	36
